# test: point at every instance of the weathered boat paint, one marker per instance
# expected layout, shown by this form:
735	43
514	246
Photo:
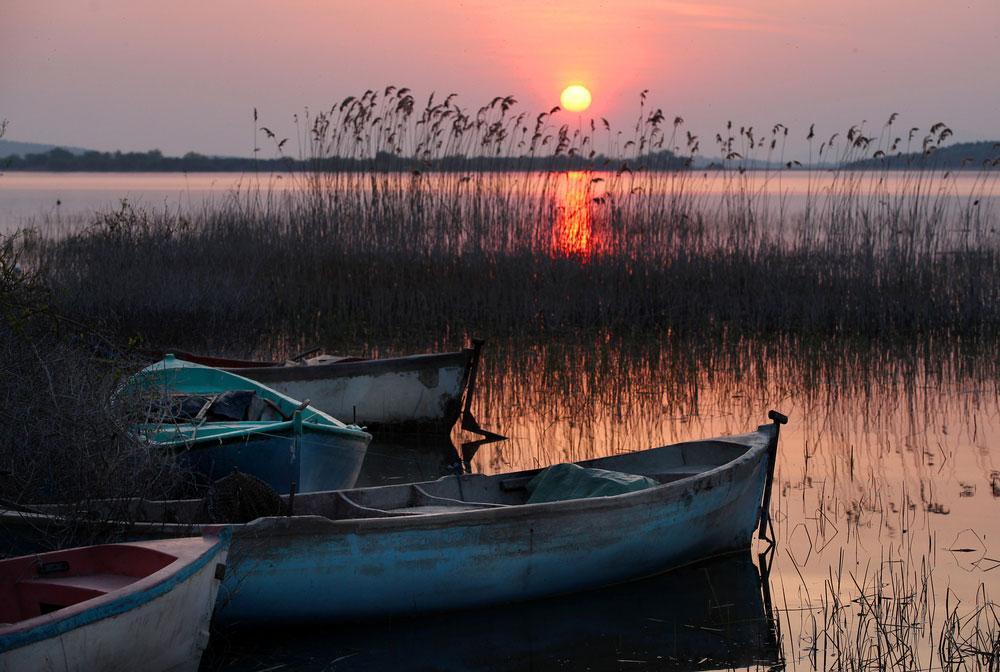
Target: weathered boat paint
313	461
415	394
157	622
312	449
310	567
710	615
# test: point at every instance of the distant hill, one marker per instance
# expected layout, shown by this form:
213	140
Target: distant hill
15	148
967	155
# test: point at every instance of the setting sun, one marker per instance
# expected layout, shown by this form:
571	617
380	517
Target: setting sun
575	98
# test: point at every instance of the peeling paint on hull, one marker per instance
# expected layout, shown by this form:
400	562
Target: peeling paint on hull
418	394
324	461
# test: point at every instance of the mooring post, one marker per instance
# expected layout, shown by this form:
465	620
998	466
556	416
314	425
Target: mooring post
469	422
295	464
470	389
779	419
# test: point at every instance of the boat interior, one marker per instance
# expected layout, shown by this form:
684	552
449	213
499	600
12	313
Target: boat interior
229	406
449	494
32	586
467	492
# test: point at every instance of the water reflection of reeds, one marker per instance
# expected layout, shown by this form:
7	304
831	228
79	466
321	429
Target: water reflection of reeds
884	471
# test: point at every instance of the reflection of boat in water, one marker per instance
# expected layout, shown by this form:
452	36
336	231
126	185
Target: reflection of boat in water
705	616
391	459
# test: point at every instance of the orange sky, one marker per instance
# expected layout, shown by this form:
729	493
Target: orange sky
183	74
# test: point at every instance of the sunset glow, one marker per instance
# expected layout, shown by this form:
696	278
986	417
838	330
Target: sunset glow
575	98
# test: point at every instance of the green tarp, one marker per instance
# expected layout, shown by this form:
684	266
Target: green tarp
570	481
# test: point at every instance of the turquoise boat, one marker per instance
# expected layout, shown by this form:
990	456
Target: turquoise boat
219	422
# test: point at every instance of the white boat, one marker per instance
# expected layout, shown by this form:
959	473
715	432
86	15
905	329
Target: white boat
138	606
418	394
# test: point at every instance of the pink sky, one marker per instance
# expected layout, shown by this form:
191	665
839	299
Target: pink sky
184	75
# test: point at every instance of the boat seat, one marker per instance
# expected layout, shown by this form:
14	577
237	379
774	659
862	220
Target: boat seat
103	583
424	498
672	474
40	596
426	509
515	484
666	475
688	469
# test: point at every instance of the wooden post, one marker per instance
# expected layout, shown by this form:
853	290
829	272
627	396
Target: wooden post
772	456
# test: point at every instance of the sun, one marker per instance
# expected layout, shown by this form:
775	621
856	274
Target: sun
575	98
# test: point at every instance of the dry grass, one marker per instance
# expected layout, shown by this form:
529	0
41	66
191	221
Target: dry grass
63	438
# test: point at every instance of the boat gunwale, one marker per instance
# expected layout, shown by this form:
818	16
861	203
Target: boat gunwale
405	364
173	363
756	443
116	602
254	428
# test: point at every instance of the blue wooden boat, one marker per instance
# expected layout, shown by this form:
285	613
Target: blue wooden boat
474	540
220	422
115	607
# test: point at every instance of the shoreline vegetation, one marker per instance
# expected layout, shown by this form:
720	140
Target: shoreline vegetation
968	156
371	255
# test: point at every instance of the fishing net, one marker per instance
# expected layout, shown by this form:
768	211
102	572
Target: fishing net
240	498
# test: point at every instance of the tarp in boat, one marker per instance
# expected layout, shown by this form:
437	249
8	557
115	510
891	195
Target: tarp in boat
571	481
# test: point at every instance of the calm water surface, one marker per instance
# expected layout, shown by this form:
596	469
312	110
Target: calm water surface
60	202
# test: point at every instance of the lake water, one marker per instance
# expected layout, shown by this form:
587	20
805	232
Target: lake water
60	202
886	510
887	486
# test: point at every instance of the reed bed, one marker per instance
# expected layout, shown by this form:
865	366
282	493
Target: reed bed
428	225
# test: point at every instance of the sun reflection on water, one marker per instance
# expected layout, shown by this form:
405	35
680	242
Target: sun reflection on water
573	233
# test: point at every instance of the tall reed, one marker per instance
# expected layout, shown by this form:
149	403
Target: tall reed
458	242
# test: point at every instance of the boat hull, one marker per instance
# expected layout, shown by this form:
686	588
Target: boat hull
710	615
314	461
162	628
310	567
418	394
